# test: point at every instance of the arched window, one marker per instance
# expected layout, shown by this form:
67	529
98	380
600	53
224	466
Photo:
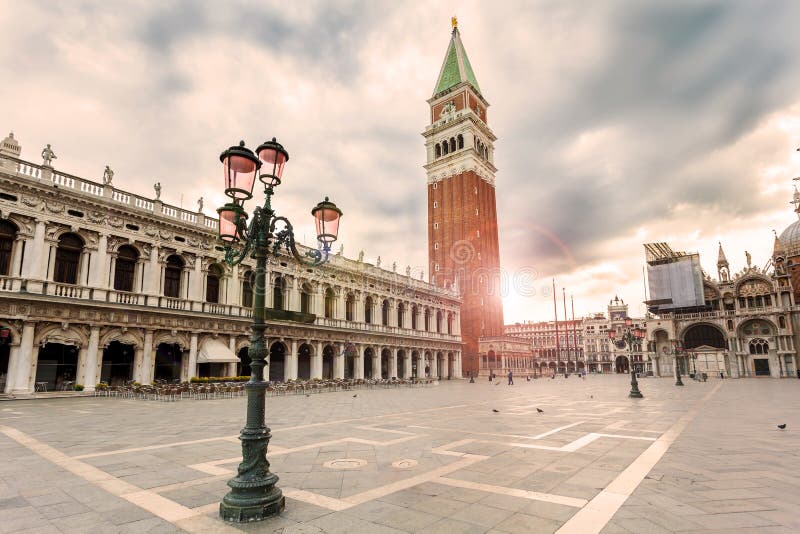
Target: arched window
172	276
8	232
452	144
350	307
125	268
460	141
449	323
247	289
427	324
781	321
759	346
414	313
306	293
330	303
445	148
368	310
438	151
212	283
278	290
439	322
68	258
385	313
401	311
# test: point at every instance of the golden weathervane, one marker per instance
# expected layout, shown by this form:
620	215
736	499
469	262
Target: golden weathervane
454	22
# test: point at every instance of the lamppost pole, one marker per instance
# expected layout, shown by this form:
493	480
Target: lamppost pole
677	351
629	337
254	495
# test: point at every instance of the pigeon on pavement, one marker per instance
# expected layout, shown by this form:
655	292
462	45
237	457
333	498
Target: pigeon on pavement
782	426
539	410
356	395
495	411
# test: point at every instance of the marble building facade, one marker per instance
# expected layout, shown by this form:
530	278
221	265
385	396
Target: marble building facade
97	283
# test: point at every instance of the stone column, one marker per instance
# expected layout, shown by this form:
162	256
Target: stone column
16	261
434	365
98	276
152	273
148	359
393	363
407	366
50	260
376	364
35	262
316	361
359	363
338	362
290	369
13	362
445	365
94	359
232	346
192	370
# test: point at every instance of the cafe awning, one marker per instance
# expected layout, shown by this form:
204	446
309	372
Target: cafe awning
215	351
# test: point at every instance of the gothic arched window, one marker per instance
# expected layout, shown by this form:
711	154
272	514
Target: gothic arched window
460	141
452	144
759	346
438	151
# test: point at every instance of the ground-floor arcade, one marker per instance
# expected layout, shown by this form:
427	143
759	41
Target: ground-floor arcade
49	356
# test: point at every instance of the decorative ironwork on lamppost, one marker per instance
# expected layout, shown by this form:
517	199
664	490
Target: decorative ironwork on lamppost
627	339
677	351
254	495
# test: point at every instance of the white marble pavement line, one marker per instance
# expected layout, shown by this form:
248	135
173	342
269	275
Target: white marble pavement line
512	492
593	517
188	519
516	436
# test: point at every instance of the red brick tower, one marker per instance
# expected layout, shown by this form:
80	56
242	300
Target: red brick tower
462	214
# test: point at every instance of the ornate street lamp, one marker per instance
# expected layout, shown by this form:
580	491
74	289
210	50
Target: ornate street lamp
627	339
254	495
677	350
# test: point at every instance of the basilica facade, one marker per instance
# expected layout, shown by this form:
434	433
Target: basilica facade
748	327
99	284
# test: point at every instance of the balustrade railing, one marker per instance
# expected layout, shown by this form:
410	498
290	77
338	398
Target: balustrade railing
124	297
72	291
174	303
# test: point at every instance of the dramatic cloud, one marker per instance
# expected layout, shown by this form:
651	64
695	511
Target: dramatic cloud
618	122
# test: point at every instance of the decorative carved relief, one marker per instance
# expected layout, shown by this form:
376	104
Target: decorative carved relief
116	222
189	259
164	234
150	230
31	201
54	206
752	288
97	217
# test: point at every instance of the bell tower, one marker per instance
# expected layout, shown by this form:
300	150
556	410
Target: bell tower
463	248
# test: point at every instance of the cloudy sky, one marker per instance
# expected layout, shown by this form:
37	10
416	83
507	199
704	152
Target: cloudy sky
618	122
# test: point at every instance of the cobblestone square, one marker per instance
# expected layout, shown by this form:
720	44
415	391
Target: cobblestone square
707	457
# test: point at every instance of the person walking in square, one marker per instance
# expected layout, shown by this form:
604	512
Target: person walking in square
510	378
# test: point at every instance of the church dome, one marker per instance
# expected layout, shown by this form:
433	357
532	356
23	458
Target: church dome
790	239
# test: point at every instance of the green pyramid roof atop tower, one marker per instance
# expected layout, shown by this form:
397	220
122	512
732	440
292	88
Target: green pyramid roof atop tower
456	67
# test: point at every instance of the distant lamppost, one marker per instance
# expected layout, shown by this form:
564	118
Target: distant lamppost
627	339
677	352
254	495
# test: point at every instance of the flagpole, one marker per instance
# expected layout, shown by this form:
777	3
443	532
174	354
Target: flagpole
555	315
566	326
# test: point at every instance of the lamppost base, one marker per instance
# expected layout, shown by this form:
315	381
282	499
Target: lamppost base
678	383
252	504
636	395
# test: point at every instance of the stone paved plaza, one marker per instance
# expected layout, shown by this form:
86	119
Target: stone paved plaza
704	458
